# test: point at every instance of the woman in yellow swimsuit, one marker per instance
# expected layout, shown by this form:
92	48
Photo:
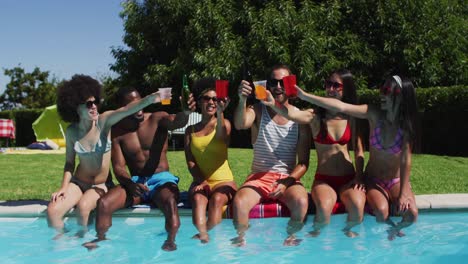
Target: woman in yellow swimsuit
206	152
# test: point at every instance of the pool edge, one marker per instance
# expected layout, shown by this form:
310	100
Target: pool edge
35	208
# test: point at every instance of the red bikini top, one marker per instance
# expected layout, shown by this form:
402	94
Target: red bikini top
345	138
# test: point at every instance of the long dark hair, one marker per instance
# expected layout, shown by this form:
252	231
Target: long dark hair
407	114
349	95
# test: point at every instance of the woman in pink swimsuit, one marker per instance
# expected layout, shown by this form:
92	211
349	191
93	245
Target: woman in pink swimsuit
336	178
392	136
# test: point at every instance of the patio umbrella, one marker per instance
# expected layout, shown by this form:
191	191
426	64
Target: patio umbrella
49	125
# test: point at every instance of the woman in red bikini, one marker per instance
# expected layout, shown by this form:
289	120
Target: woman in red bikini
336	178
392	134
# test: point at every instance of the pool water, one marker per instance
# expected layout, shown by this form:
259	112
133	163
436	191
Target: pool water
436	238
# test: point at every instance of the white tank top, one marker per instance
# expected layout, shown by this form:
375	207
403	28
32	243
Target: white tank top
275	147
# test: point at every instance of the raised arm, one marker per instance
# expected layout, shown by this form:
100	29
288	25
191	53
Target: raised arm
223	126
180	119
359	111
244	116
289	111
110	118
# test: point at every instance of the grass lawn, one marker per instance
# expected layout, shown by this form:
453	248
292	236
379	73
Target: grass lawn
36	176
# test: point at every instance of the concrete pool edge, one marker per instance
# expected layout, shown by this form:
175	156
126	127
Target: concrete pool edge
35	208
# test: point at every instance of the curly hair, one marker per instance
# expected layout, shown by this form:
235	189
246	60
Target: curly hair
72	93
202	86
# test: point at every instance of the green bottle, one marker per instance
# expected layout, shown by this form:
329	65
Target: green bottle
185	92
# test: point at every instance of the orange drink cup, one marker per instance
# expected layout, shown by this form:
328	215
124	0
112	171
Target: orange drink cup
260	90
165	94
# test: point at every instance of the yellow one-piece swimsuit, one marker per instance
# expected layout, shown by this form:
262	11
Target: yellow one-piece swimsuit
211	155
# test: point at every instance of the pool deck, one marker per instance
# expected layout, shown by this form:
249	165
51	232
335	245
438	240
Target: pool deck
35	208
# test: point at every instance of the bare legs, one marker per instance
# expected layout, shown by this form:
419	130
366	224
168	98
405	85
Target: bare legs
379	200
295	198
244	201
85	203
56	210
325	198
166	198
107	205
199	204
220	196
354	201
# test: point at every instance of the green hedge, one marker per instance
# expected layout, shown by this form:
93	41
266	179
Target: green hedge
434	99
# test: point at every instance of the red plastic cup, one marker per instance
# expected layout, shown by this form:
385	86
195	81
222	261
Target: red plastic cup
289	83
222	89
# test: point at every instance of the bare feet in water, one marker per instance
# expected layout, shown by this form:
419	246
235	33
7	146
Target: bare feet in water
393	233
203	237
58	236
81	233
350	233
169	246
292	241
238	241
92	244
314	233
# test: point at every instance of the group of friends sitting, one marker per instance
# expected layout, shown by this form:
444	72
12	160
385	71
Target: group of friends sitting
136	144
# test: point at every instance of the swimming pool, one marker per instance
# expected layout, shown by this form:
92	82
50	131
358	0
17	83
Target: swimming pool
437	237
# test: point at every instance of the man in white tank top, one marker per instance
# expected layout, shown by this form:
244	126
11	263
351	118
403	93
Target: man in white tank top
281	158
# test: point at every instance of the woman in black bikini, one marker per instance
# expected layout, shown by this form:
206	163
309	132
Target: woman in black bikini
392	136
88	136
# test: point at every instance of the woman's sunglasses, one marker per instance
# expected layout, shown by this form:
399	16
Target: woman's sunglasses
207	98
89	104
335	85
388	90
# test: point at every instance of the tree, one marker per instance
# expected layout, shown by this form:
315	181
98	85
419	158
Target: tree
28	90
424	40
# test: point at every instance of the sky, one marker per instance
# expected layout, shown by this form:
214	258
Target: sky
63	37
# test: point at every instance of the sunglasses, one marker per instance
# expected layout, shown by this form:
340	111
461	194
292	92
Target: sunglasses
207	98
89	104
335	85
388	90
274	83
